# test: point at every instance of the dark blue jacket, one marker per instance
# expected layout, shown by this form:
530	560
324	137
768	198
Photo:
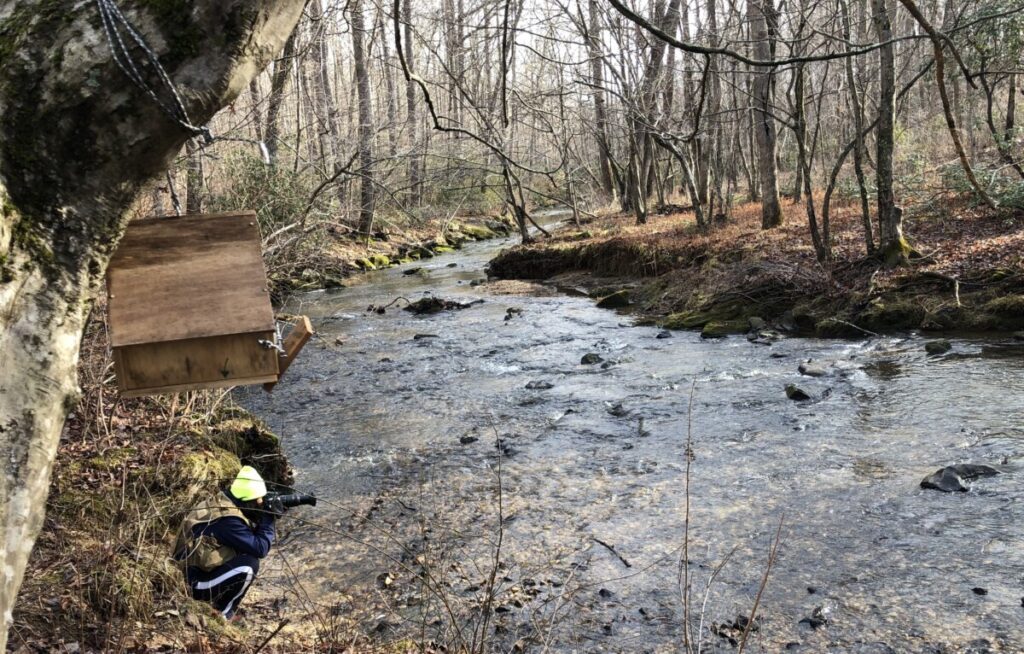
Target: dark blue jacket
239	536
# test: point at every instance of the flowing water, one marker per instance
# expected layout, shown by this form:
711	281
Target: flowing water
380	413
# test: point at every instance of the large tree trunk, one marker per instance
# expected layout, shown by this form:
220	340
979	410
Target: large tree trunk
411	119
78	143
604	164
278	81
366	194
764	123
893	247
858	126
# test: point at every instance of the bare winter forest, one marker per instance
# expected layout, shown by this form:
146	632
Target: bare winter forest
403	112
507	466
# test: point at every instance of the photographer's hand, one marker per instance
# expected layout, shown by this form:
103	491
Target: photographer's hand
275	507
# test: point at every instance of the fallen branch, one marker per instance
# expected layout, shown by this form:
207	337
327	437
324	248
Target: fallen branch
772	555
613	551
266	640
850	324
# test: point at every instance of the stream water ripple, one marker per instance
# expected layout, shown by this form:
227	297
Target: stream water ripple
403	437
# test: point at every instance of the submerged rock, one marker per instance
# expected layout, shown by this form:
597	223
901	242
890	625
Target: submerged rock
538	385
812	370
617	409
796	394
617	300
664	334
413	271
590	359
432	304
816	619
940	346
951	479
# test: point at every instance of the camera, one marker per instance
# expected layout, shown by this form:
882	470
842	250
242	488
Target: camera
278	503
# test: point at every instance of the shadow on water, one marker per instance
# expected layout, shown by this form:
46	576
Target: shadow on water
403	436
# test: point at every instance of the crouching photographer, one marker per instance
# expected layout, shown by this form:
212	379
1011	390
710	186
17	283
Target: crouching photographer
223	538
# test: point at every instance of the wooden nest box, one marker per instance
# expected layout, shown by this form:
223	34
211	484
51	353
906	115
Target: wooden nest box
189	307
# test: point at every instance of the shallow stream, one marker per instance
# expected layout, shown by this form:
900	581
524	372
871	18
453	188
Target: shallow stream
381	423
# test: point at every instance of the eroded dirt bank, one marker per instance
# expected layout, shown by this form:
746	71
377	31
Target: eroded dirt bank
968	277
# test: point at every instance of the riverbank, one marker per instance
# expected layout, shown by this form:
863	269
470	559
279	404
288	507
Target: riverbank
100	577
969	277
329	262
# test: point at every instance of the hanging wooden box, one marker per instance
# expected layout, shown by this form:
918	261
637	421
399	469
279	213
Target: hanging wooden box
188	305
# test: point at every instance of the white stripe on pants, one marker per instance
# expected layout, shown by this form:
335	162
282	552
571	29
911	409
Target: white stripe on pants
242	569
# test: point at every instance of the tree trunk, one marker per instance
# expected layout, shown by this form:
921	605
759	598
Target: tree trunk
326	109
389	85
415	193
858	125
193	178
764	123
79	142
277	83
256	97
892	245
600	112
366	194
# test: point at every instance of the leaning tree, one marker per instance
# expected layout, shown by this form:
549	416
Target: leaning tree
90	110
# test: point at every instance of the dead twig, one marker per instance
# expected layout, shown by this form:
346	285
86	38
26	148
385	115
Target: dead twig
613	551
266	640
772	555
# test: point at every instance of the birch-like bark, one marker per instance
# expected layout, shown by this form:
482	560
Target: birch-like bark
79	142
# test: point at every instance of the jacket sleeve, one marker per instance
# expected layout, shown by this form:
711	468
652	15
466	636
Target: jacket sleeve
237	535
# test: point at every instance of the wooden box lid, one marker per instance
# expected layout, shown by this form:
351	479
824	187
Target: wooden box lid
184	277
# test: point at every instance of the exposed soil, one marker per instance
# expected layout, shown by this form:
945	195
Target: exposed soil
967	276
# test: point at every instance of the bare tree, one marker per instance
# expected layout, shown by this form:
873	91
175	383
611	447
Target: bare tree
367	193
764	123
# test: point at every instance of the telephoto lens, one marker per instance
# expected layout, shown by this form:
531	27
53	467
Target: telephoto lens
291	500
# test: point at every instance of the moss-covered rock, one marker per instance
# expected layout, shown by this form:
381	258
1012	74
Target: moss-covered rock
720	329
889	315
478	232
380	260
796	393
836	328
365	264
254	444
616	300
1008	306
696	319
940	346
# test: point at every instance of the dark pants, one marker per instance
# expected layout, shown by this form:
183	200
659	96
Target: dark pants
224	586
